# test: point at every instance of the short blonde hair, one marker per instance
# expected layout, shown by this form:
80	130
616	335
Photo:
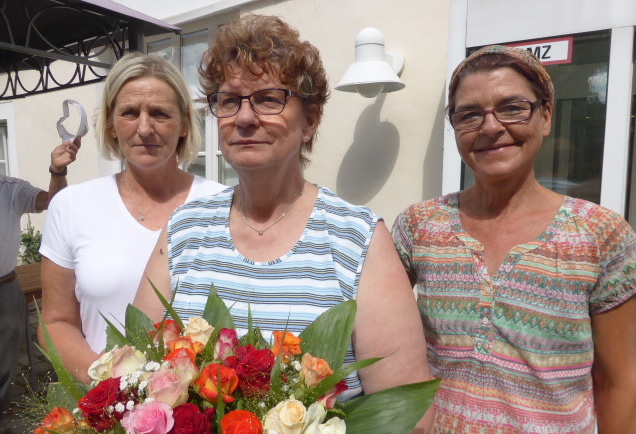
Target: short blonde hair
138	65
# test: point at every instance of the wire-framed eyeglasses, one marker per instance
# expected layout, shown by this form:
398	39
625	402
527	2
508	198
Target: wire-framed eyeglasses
263	102
508	113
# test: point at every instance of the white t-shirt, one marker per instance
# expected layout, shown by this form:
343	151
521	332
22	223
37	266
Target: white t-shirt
88	229
16	198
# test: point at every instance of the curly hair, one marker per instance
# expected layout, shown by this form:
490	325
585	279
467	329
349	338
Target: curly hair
261	43
136	65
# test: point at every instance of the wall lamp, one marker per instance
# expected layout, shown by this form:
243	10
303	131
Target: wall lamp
374	71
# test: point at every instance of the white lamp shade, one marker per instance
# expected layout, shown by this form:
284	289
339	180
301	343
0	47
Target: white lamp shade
371	73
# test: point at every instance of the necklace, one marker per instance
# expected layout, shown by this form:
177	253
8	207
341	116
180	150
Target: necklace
140	214
261	231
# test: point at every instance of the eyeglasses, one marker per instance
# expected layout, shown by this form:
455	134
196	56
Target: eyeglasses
263	102
508	113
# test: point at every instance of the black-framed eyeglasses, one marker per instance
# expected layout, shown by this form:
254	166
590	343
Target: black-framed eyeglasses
508	113
263	102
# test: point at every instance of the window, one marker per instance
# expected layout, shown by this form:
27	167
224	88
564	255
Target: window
4	152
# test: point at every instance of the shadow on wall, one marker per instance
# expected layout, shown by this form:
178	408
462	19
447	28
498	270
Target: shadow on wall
371	157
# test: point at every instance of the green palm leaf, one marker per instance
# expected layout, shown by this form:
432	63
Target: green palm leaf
329	336
390	411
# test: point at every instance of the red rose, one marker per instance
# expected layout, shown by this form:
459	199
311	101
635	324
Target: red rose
99	403
254	369
188	419
241	422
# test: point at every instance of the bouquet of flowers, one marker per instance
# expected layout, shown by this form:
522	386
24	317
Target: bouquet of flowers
201	377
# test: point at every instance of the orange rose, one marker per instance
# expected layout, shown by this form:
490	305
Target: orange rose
314	370
288	343
185	342
241	422
60	420
208	383
170	330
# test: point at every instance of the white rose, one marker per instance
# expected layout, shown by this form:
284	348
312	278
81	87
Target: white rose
199	330
335	425
288	417
102	368
126	361
315	415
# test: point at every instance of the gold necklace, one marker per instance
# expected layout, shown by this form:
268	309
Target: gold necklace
140	214
261	231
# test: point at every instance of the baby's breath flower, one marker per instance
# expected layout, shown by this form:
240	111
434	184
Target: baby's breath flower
149	400
152	366
76	410
261	404
123	384
130	405
143	385
285	388
296	365
119	407
109	409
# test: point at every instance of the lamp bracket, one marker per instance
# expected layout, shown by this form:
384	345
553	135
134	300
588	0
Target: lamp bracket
396	60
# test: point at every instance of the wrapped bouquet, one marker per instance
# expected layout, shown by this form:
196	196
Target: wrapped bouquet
201	377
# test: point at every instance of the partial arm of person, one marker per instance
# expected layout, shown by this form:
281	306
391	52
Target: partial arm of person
614	368
388	323
157	272
61	157
61	317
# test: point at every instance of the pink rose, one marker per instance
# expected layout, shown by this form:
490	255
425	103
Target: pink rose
152	418
164	385
329	399
183	364
226	345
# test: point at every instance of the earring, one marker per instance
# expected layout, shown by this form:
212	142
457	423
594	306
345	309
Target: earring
306	138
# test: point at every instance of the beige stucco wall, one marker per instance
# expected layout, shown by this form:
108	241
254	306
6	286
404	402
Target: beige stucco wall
384	152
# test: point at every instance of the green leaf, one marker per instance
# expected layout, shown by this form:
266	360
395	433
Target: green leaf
58	396
138	328
216	313
74	387
168	305
113	335
254	338
329	336
390	411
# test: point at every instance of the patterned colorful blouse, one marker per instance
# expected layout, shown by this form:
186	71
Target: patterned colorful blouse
515	350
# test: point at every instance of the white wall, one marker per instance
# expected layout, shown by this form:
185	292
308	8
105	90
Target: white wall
493	21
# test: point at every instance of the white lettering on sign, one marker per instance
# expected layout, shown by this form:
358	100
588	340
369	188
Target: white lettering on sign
550	51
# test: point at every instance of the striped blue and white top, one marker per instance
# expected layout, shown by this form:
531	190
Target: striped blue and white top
321	270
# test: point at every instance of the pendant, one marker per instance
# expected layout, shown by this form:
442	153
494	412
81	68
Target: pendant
141	218
260	232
